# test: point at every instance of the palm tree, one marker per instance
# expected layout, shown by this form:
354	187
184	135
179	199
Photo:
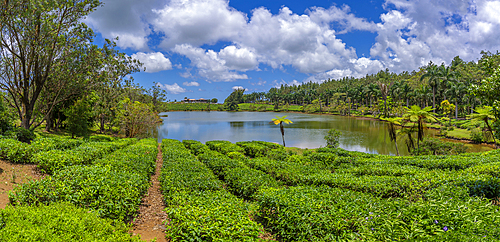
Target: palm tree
384	91
405	92
372	91
446	75
418	117
456	92
433	72
393	131
280	121
484	114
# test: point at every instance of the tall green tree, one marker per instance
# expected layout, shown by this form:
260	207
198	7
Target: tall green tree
80	117
157	95
433	75
38	38
235	98
137	119
489	91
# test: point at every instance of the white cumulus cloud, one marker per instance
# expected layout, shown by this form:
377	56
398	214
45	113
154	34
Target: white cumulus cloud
409	34
191	84
210	66
126	19
154	62
197	22
173	89
239	88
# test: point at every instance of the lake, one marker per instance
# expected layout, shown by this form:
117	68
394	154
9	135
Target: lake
306	131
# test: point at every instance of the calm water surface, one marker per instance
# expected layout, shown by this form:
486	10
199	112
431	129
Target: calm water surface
306	131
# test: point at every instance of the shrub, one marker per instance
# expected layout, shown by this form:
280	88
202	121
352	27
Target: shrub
14	151
18	152
431	146
110	194
224	146
54	160
199	209
59	222
331	214
476	136
278	154
113	187
25	135
333	138
195	146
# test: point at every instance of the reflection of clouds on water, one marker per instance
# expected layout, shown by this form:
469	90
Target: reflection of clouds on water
173	126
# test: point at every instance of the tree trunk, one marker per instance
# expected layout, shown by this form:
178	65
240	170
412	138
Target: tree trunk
434	99
385	107
27	113
491	132
282	133
456	109
49	122
101	121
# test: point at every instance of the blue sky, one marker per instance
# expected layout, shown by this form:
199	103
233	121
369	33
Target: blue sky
205	48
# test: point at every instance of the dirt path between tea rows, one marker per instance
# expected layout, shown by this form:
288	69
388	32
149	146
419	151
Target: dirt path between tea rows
148	224
12	175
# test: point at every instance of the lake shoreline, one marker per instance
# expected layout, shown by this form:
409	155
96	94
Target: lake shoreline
236	123
450	138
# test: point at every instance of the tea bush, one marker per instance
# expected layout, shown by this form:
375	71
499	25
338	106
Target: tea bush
258	148
253	149
112	187
53	160
224	146
19	152
56	143
59	222
337	195
199	208
431	146
331	214
14	151
240	179
195	146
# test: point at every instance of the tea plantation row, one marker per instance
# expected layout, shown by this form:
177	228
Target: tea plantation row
93	189
250	191
333	195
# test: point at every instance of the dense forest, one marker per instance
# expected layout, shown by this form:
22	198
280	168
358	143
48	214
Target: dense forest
456	92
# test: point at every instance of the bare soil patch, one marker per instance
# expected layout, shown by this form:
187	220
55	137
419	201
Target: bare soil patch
12	175
148	223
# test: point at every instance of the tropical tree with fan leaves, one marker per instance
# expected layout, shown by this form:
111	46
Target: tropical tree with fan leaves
485	114
279	121
418	118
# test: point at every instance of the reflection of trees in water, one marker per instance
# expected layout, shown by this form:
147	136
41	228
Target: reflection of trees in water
237	124
258	123
161	133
